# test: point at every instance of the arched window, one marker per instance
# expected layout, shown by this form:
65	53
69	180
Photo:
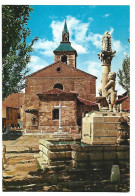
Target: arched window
64	59
55	114
59	86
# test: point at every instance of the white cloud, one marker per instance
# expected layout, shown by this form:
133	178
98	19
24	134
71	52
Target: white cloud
111	30
90	19
45	47
96	39
36	63
119	89
106	15
95	69
117	45
81	37
79	48
78	36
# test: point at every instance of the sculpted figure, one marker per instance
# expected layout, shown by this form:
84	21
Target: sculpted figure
106	42
110	91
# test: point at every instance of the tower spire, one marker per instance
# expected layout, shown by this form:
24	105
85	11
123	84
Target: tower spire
65	52
65	33
65	30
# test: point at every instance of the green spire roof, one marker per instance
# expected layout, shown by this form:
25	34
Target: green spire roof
64	47
65	30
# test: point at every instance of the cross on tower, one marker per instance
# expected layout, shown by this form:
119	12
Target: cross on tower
60	109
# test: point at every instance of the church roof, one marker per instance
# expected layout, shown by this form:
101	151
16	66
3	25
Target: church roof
64	47
120	100
57	91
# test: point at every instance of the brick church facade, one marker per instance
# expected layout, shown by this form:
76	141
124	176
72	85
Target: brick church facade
60	82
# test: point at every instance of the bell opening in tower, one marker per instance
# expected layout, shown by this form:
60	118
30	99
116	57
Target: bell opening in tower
64	59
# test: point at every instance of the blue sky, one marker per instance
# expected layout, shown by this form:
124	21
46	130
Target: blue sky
86	25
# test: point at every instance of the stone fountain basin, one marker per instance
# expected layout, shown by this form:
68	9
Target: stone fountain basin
80	154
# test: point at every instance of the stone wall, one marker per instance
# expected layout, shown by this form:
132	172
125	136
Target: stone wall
101	127
81	155
99	155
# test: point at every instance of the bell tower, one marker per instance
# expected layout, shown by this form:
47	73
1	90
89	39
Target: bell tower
65	52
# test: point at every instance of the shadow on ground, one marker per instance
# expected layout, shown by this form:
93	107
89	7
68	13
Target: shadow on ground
65	181
13	135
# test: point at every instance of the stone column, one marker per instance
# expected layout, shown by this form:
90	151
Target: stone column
105	71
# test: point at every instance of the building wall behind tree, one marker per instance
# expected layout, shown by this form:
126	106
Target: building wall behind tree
11	117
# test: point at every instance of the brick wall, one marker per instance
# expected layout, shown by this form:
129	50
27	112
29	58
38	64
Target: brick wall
125	106
14	100
71	57
85	87
11	117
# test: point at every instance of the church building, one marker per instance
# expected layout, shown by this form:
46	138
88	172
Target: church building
59	83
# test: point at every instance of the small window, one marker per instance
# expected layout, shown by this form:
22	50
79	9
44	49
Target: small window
58	69
33	121
64	59
18	115
59	86
66	39
56	114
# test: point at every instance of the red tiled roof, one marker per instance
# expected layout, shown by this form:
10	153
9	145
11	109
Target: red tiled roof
57	91
120	100
87	102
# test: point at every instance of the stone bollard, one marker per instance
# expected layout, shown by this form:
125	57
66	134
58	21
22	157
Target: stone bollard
25	132
115	174
4	157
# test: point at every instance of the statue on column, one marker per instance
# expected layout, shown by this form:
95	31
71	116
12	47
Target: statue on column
106	42
110	91
107	92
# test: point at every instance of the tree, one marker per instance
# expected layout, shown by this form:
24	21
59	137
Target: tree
124	74
15	50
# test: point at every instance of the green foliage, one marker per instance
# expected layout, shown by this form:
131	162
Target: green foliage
15	50
124	74
38	166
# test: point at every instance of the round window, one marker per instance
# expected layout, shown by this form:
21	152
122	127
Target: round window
58	69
